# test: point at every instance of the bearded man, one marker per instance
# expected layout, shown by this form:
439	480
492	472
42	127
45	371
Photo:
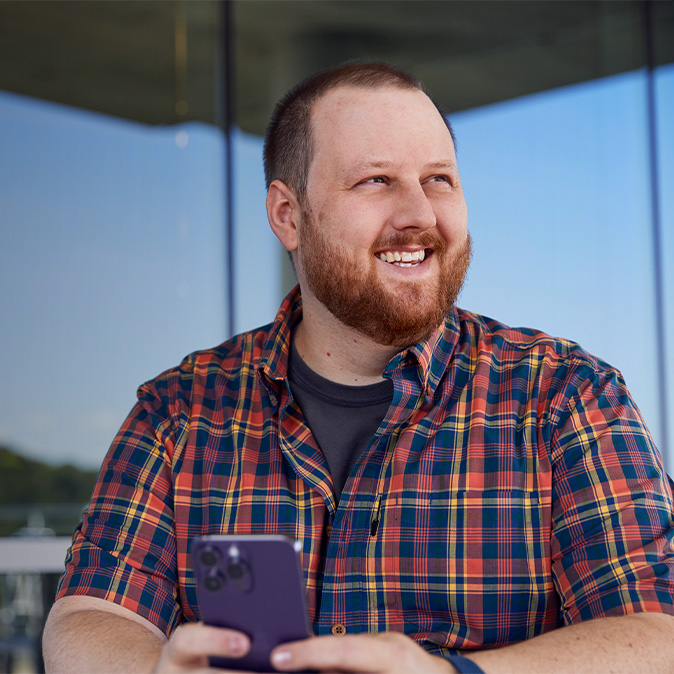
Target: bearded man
469	497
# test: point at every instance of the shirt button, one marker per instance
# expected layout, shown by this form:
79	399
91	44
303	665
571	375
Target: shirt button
328	530
429	390
338	629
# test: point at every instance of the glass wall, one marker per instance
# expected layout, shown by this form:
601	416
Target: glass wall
114	132
112	268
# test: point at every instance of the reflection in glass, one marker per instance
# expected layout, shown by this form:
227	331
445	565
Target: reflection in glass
111	268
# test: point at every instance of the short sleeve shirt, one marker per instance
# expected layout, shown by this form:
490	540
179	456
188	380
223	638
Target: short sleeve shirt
515	486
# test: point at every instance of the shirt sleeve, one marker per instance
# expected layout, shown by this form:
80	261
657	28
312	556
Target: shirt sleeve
124	550
613	519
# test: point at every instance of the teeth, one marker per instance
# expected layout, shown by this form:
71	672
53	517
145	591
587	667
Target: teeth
404	259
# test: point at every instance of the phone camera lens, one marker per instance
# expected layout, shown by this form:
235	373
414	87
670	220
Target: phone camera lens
213	583
209	557
240	575
235	571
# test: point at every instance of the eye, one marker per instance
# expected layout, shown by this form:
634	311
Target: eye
440	179
375	180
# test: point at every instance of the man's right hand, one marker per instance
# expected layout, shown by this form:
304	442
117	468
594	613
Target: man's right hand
185	652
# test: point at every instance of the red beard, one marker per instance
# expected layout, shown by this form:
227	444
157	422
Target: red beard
398	317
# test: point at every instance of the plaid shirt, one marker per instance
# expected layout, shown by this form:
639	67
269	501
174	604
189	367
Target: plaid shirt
511	488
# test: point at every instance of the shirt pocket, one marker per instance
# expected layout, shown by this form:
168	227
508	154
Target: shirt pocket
474	566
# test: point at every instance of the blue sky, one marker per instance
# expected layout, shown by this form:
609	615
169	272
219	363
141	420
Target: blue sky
113	246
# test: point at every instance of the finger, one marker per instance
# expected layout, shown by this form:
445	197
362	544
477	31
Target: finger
209	670
192	643
361	653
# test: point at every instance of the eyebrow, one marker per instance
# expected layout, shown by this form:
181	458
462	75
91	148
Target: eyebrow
442	164
367	166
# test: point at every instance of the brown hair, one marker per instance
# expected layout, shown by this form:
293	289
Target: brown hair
288	143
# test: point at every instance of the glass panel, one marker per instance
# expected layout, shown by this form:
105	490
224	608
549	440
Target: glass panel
258	255
111	268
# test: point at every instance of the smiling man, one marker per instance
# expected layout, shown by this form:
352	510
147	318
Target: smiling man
380	238
470	497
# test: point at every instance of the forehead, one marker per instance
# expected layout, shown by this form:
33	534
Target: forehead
352	124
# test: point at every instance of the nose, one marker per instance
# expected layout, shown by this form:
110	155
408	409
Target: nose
412	208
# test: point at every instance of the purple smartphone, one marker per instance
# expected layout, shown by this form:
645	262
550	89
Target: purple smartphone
253	584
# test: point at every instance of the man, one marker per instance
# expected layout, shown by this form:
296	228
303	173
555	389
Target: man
465	487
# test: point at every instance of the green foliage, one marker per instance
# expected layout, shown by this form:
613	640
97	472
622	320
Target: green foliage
26	482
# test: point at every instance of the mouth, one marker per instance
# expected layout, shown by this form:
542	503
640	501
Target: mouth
404	258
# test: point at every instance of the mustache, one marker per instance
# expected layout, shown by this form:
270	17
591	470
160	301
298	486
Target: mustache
401	239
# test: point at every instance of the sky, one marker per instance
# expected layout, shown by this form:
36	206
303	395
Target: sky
112	246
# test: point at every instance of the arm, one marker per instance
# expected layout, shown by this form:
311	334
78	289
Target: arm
85	634
642	642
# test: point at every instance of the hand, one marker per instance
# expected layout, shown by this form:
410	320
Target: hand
190	645
385	653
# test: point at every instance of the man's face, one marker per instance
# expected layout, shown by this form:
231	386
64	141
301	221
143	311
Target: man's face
383	242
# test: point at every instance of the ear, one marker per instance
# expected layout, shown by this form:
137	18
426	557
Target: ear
283	212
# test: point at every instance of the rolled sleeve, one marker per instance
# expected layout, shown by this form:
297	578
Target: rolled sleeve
613	522
124	550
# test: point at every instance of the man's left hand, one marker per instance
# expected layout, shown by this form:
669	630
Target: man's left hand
385	653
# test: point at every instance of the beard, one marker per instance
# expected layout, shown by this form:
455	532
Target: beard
392	314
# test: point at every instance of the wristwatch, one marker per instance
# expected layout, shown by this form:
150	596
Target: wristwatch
464	665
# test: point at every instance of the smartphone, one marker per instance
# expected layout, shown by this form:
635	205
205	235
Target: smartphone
253	584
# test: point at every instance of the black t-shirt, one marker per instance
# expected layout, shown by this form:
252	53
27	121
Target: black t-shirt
342	418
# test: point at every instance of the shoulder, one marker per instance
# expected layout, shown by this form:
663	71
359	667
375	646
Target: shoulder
207	369
527	358
242	350
504	342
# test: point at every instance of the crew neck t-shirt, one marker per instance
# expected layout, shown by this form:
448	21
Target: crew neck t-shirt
342	418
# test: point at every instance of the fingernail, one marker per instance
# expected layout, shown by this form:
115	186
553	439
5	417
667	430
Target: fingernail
237	645
281	659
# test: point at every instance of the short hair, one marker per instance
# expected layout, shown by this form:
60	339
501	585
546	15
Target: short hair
288	143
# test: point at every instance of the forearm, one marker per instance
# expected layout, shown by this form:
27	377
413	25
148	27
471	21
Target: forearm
642	642
97	641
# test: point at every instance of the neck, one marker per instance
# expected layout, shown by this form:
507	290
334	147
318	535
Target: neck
337	352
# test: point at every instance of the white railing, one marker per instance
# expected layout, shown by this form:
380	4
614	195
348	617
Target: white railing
27	554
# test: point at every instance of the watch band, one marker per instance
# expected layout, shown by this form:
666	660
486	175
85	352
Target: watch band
464	665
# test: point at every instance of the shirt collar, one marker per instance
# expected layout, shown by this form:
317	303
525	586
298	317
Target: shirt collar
428	359
273	367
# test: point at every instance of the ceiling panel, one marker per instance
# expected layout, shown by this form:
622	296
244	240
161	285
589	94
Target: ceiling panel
156	61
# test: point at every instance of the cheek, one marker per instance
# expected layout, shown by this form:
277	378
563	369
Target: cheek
453	219
351	227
